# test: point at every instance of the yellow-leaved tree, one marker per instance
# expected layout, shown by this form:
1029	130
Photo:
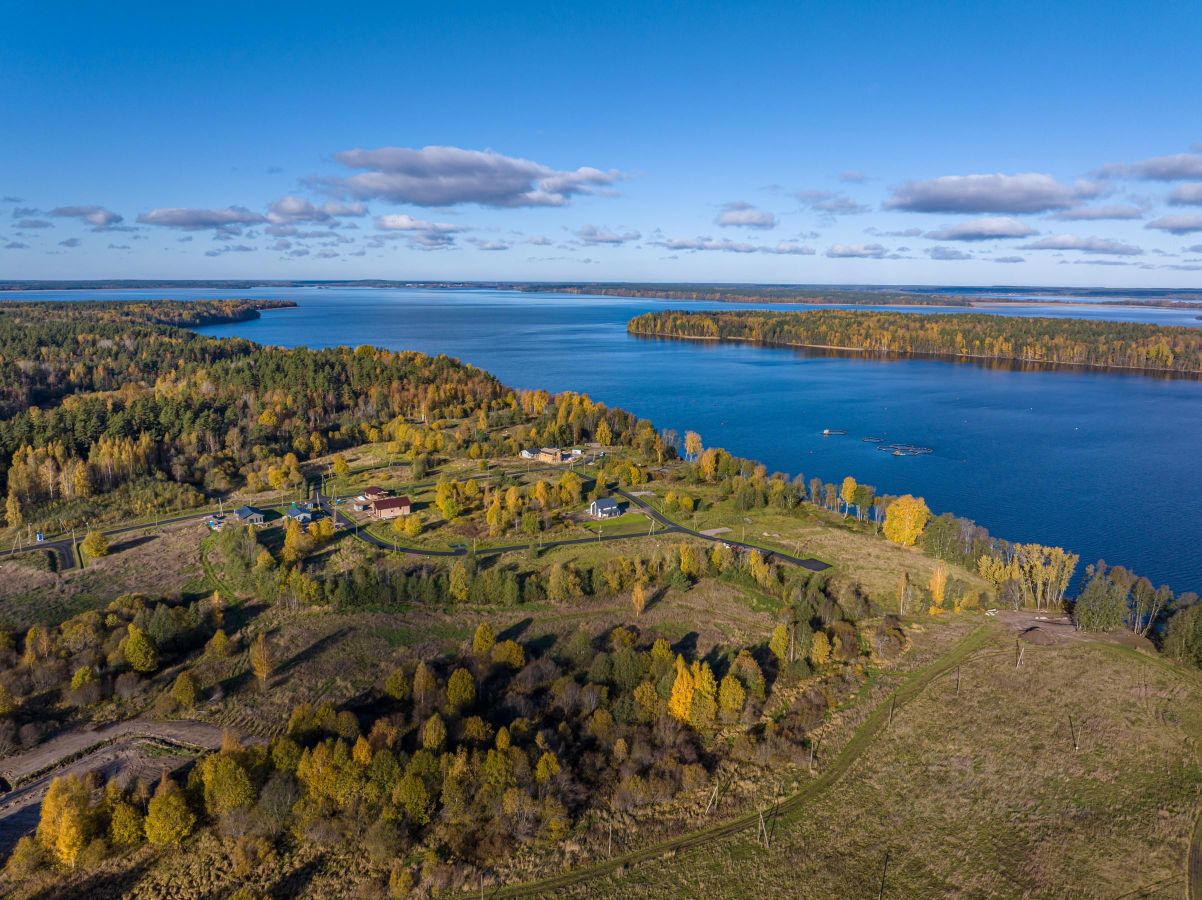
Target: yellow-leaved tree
905	520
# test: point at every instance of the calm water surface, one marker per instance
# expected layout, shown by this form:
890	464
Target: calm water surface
1105	464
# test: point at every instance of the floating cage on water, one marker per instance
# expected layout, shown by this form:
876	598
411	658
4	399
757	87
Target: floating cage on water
832	431
906	449
872	440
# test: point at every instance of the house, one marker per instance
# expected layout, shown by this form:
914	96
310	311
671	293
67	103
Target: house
391	507
374	493
529	454
550	455
604	508
248	515
300	514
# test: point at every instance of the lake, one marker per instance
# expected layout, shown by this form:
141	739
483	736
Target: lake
1104	464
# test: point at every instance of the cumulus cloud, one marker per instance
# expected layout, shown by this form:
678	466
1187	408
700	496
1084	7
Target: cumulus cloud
1028	192
120	247
1096	213
1177	167
229	248
739	214
96	216
70	242
591	234
1177	224
829	202
857	251
228	218
539	240
490	245
725	245
420	233
1186	195
985	229
1099	245
947	253
448	176
1009	259
291	210
33	223
16	245
905	233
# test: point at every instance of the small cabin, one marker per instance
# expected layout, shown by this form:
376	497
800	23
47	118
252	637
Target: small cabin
374	493
550	455
300	514
604	508
249	515
391	507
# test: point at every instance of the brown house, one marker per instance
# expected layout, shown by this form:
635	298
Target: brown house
374	493
391	507
550	455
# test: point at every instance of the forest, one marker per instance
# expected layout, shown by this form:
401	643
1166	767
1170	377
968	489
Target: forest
1016	339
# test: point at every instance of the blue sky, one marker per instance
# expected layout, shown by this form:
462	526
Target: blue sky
949	143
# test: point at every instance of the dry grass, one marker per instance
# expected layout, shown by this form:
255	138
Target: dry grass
158	564
982	794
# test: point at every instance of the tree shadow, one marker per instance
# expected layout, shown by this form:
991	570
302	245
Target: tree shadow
516	630
101	884
131	543
687	645
312	650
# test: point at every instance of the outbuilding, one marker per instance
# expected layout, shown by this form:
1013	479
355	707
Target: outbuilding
604	508
391	507
249	515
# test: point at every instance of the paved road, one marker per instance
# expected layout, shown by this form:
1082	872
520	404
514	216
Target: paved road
813	565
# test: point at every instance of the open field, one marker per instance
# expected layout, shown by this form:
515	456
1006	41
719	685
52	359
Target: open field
981	793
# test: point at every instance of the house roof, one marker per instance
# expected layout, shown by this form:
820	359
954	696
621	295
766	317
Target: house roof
606	503
244	512
295	512
374	489
391	503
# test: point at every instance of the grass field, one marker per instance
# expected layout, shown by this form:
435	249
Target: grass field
981	793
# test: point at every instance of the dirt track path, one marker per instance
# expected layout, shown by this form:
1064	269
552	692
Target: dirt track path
132	748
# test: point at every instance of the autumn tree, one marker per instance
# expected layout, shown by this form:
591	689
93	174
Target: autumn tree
692	445
184	690
778	643
638	599
483	640
227	785
847	493
938	585
262	658
95	544
139	651
168	818
731	698
820	649
461	690
905	519
681	701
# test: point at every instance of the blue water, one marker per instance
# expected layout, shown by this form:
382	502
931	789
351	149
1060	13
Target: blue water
1104	464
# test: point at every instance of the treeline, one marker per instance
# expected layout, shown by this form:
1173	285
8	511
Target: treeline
1076	342
745	293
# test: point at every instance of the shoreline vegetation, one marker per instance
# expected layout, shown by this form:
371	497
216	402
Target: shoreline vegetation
1101	345
859	295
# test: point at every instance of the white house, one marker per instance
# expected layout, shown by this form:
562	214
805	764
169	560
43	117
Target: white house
604	508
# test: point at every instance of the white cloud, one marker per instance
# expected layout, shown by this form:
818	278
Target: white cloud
292	209
1028	192
857	251
1177	167
420	233
829	202
591	234
984	229
1177	224
948	253
743	215
1186	195
725	245
1009	259
1099	245
193	219
96	216
448	176
1096	213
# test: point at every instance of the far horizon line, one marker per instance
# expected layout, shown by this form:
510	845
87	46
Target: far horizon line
72	284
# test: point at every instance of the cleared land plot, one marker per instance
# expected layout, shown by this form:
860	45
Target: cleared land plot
982	793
